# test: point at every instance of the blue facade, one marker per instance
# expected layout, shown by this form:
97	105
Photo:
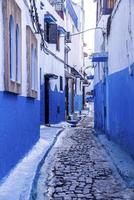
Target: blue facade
19	129
56	106
42	104
120	108
99	106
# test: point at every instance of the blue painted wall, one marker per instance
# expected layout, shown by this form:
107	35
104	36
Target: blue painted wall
56	106
19	129
78	102
120	108
99	106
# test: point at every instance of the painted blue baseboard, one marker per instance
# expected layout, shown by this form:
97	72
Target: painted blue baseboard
19	129
120	108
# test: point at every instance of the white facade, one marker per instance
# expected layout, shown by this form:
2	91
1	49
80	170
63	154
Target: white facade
119	44
121	34
114	94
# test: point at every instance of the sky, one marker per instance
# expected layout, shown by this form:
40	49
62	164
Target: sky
90	22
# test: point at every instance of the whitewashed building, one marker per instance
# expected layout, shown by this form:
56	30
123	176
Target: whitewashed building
34	41
74	58
19	83
114	70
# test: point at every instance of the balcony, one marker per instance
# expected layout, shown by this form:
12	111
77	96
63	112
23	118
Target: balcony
59	7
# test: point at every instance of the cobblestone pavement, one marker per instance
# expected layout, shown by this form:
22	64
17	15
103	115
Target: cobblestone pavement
79	168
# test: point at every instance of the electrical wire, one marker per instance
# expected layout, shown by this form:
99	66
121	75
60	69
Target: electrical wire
38	30
90	29
36	25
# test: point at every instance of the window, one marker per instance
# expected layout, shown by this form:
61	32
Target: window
80	85
50	33
18	55
58	41
12	46
75	89
32	68
61	83
111	3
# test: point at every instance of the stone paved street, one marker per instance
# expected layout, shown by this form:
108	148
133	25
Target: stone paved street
79	168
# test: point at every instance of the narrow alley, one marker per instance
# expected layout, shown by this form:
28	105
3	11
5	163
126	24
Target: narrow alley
78	167
67	100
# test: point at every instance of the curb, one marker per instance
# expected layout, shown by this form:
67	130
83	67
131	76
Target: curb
33	192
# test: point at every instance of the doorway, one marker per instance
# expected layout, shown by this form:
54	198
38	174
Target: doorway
72	100
46	81
67	98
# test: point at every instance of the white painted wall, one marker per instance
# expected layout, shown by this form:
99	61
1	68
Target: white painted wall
120	43
47	63
100	45
25	20
76	53
75	56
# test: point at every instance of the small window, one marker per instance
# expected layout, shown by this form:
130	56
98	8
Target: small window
32	68
61	83
18	55
80	85
111	3
12	47
58	41
75	86
46	31
50	33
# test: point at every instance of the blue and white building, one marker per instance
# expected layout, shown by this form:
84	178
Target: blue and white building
52	70
74	58
114	71
61	90
19	84
37	57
